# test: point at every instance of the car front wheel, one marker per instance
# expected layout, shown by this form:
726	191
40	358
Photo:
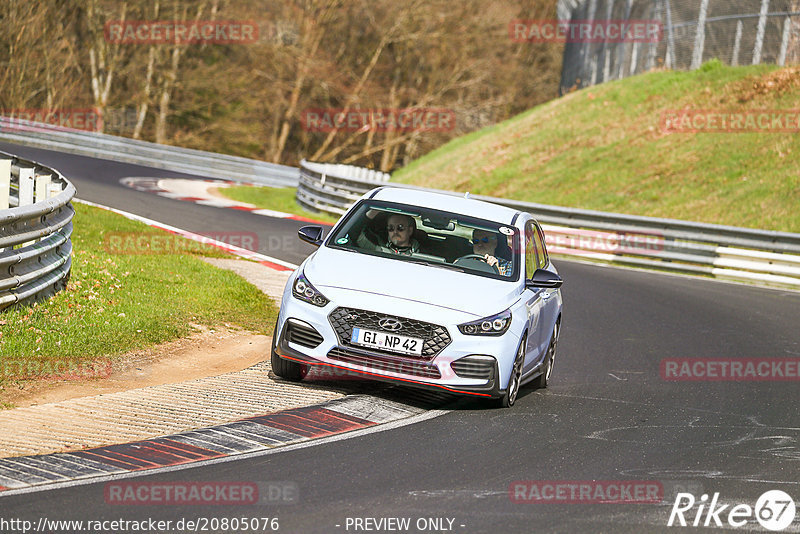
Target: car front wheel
543	380
515	380
286	369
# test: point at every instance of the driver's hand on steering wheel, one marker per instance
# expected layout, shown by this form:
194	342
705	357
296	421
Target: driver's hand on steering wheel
491	260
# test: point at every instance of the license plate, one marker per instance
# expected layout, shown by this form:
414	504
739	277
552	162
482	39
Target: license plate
385	341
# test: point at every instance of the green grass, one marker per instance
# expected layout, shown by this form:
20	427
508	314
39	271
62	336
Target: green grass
273	198
117	301
603	148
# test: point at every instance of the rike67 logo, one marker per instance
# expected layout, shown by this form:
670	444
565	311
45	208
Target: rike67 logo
774	510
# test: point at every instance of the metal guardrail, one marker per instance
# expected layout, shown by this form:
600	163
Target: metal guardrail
111	147
334	188
726	252
35	229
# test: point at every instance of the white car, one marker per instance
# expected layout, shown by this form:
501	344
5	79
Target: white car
424	289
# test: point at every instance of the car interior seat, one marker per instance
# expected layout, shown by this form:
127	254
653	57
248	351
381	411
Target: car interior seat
503	250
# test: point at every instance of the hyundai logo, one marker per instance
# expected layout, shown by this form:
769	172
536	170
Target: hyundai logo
393	325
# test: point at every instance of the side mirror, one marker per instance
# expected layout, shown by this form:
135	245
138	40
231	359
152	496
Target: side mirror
311	235
544	278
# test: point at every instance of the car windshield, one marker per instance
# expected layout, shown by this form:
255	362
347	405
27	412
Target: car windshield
440	239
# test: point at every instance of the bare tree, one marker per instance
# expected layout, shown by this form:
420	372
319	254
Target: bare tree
316	16
334	54
170	75
104	57
147	83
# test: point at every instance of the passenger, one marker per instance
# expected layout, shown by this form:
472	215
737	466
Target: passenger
400	230
484	243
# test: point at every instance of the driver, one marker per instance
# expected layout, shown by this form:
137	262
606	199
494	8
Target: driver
400	230
484	243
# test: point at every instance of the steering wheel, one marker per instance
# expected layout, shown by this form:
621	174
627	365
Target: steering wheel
476	261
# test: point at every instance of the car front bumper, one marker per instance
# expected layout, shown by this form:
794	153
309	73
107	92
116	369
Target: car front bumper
490	388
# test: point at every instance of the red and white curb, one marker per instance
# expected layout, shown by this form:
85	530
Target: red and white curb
267	261
248	437
197	192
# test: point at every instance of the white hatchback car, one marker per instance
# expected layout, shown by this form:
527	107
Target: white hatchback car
424	289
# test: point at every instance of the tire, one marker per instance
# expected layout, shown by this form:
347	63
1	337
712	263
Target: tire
515	380
286	369
543	380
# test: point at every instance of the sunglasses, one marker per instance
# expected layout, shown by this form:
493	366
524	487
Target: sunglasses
482	240
399	228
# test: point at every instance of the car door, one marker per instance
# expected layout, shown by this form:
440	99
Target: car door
533	300
549	309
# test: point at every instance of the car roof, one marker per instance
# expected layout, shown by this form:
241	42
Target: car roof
453	203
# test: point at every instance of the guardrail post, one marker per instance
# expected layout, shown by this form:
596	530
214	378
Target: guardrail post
669	60
652	48
25	186
700	37
53	189
42	187
737	44
787	31
5	183
634	59
26	192
762	27
622	47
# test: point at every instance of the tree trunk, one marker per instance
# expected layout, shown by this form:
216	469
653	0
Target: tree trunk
103	58
171	78
144	100
793	51
313	33
166	93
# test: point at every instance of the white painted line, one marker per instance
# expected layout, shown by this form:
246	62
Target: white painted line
272	213
217	203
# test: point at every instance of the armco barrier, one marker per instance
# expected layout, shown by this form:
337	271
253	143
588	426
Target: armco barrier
35	229
726	252
334	188
111	147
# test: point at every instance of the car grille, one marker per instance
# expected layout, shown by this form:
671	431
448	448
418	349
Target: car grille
302	334
435	337
385	363
473	368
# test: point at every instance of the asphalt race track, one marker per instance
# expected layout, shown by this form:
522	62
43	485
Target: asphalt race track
608	415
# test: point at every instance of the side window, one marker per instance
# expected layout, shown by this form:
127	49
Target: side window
541	251
531	259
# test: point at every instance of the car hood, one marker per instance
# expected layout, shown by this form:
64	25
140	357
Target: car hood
446	288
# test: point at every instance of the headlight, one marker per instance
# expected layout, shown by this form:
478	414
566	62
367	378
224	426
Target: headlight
303	290
496	325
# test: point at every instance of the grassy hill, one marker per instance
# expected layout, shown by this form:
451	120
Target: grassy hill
604	148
